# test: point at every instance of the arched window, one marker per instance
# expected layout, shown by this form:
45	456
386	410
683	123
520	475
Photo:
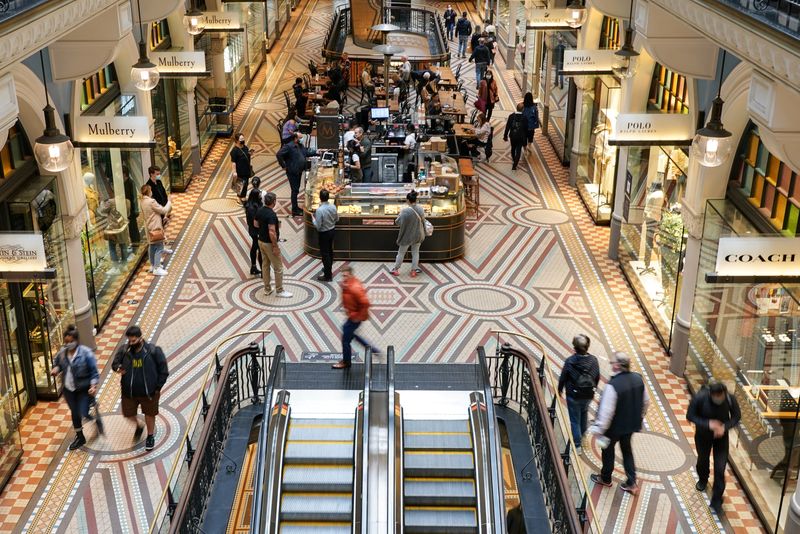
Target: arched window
15	153
669	91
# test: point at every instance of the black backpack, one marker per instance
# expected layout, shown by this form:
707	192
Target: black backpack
583	388
519	129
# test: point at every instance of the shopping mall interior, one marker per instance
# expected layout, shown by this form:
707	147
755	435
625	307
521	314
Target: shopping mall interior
625	170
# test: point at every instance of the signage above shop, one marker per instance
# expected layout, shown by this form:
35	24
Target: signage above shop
100	131
757	259
22	257
177	63
549	19
590	62
648	129
222	21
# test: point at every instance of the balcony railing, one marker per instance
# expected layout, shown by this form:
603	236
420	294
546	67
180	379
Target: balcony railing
13	8
783	15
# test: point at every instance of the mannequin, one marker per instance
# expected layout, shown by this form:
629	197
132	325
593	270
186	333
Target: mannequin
653	207
602	153
92	196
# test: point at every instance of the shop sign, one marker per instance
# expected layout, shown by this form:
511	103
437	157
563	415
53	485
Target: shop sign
646	129
760	257
111	131
549	19
179	63
221	21
23	256
590	61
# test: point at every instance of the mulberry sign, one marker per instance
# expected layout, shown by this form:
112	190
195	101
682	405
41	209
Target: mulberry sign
590	62
758	257
646	129
22	256
179	63
221	21
111	131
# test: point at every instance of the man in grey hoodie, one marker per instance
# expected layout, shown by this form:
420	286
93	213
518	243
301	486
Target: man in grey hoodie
411	235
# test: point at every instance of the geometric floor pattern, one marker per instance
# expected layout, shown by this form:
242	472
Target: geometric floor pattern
534	264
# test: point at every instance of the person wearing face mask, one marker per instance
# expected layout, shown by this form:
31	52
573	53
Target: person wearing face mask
241	156
450	21
156	186
714	412
487	91
143	372
78	367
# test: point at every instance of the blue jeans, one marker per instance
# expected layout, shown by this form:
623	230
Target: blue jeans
78	402
578	418
450	28
154	253
348	334
462	44
123	251
480	69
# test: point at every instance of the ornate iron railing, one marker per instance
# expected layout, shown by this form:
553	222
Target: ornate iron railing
564	483
783	15
229	384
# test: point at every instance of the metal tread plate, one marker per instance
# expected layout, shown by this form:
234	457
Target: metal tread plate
316	507
456	426
310	477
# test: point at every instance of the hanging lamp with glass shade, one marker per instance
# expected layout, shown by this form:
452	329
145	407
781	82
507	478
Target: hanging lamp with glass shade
144	74
713	144
193	21
577	14
53	150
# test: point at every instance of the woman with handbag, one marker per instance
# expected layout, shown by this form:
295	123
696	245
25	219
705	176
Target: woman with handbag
254	202
241	157
154	223
412	233
487	94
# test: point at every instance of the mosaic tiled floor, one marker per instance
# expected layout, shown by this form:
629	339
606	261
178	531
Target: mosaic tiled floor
534	264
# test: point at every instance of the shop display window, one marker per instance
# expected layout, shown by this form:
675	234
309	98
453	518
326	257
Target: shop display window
502	20
746	334
653	238
255	35
669	91
769	185
173	142
596	170
609	34
98	84
235	72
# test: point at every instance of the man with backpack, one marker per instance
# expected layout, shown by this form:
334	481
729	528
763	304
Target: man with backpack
517	130
463	30
580	376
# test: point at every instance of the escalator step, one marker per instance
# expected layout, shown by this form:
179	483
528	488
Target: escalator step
439	491
453	520
317	478
437	441
452	464
319	452
316	507
321	432
308	527
436	425
321	423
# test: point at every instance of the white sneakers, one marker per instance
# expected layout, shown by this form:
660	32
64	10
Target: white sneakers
283	294
167	251
159	271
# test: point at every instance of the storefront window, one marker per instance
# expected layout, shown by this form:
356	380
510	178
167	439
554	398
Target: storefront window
206	120
235	75
503	19
97	85
746	335
609	34
653	237
159	34
597	161
255	36
173	142
669	91
15	153
271	7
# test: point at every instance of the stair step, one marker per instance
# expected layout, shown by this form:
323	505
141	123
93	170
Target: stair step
309	527
458	426
316	507
453	520
439	492
321	432
317	477
436	441
318	452
447	464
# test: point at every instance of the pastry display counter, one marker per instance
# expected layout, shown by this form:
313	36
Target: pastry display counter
366	229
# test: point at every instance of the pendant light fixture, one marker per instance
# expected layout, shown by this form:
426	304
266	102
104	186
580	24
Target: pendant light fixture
193	20
53	150
577	14
144	73
627	54
713	144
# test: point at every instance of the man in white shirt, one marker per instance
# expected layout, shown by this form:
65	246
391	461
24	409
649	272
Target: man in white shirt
405	69
411	138
349	135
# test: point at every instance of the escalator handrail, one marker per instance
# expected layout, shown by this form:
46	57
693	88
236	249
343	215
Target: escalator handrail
361	457
257	515
395	427
495	463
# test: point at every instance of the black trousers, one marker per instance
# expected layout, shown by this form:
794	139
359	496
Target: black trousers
627	458
255	253
705	443
516	152
294	184
326	251
245	183
78	402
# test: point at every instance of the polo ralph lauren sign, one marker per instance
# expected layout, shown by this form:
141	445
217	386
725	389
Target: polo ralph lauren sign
646	129
111	131
590	61
774	257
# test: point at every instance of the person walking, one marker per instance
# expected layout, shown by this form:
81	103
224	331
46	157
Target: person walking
241	156
450	21
156	217
78	366
269	234
143	371
531	113
251	207
463	31
412	233
579	377
481	56
324	220
487	91
156	186
714	413
623	406
356	306
517	131
292	157
475	38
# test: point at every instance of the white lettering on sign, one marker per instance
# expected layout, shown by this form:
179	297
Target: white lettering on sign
170	62
101	129
22	253
594	61
651	128
221	20
549	18
758	256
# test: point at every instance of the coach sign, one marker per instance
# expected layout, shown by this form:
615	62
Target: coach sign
112	131
645	129
590	62
774	257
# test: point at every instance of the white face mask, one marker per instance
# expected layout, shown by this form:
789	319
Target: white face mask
241	139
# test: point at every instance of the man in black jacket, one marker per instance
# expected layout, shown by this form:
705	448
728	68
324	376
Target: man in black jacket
482	57
292	157
579	376
714	412
143	372
154	181
463	31
517	131
622	408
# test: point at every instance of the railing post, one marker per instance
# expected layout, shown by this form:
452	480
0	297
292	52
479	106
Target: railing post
217	366
582	510
254	372
565	459
552	411
540	370
205	408
505	351
171	504
189	451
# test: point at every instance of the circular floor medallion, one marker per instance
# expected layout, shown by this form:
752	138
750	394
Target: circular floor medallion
222	206
118	435
485	299
268	106
305	297
539	217
657	454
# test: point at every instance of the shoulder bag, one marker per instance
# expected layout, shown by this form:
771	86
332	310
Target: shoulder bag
427	226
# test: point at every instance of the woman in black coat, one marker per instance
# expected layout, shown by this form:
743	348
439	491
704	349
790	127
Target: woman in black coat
250	209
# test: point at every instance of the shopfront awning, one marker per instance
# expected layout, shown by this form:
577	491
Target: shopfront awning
22	257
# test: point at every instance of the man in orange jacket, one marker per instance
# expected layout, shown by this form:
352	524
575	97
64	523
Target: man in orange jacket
356	305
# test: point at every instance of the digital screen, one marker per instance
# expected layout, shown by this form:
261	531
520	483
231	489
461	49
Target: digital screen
380	113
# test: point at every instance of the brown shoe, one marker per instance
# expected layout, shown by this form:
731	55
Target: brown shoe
341	365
